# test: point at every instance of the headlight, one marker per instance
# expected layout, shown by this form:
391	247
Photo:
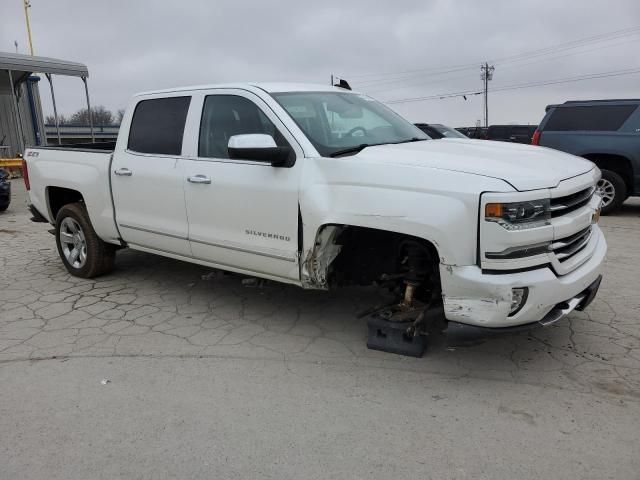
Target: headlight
519	215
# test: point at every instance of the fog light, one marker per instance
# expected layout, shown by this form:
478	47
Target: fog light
518	299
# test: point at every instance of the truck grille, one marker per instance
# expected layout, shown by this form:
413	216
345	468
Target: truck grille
567	247
569	203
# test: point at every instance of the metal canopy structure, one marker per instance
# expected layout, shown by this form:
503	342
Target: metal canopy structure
28	64
16	68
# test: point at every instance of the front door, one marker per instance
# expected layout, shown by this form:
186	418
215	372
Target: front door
147	177
242	214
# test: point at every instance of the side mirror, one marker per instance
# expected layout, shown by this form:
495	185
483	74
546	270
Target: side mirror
261	148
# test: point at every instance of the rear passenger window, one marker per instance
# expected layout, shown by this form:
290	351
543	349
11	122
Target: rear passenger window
158	126
599	117
224	116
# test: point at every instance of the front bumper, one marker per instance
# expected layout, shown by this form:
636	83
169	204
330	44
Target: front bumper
479	299
458	333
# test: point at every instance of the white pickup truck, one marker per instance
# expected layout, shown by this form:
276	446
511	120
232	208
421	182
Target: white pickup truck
319	186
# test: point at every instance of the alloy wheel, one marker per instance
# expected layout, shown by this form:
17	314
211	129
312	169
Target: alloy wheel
606	191
73	242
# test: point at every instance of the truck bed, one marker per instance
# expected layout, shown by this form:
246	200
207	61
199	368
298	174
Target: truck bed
81	171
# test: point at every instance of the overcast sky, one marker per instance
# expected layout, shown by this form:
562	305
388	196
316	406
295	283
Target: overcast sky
131	46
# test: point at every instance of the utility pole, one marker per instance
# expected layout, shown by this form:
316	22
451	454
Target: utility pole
27	5
486	75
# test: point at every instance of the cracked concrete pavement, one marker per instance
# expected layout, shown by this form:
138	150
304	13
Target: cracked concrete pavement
209	378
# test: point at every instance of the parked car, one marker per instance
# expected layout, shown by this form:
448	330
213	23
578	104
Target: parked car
437	131
5	190
478	133
607	132
320	187
511	133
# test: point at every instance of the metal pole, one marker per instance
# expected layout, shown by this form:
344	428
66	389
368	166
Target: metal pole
55	109
486	94
17	115
26	16
86	92
487	74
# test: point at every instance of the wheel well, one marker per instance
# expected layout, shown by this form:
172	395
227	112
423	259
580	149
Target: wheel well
370	256
58	197
616	163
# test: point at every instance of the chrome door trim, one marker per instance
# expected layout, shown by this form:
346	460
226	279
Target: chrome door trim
245	250
146	230
214	244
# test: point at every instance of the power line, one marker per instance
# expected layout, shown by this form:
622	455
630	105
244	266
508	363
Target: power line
506	61
573	44
519	65
591	76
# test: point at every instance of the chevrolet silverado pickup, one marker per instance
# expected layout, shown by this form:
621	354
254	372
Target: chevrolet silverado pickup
320	187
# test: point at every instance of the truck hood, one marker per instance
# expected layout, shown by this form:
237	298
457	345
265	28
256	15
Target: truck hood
525	167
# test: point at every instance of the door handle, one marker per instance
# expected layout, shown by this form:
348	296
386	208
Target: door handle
199	179
123	172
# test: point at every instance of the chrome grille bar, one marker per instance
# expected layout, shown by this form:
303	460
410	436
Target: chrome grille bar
569	246
562	205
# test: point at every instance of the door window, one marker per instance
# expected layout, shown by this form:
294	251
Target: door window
224	116
157	126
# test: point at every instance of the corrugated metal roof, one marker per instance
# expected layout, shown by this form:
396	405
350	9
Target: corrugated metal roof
29	64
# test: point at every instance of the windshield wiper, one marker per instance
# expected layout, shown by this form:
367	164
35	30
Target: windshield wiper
414	139
346	151
362	146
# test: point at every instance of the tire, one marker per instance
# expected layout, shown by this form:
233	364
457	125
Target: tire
613	191
4	207
81	250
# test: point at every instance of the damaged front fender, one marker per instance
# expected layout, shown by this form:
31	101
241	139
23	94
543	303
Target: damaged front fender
315	265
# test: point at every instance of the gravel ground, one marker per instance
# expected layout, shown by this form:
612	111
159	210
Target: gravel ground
168	370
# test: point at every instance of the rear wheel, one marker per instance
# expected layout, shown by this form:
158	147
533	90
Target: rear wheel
612	190
81	250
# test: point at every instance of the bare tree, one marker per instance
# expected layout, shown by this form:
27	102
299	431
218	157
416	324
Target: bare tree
101	116
51	120
119	115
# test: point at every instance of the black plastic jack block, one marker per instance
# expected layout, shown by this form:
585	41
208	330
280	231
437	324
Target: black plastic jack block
392	337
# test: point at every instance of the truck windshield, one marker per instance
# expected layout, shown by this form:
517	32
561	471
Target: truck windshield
337	122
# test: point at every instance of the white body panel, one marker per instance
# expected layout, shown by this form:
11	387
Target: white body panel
245	217
160	220
84	171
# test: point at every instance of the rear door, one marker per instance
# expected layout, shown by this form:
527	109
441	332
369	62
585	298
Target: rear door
147	175
243	214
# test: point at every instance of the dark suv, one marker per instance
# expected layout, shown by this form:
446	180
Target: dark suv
607	132
511	133
5	190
